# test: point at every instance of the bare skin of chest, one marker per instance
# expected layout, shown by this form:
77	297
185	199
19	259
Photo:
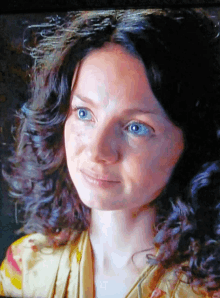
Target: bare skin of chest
117	281
114	286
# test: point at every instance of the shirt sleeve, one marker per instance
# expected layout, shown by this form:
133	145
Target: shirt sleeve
11	270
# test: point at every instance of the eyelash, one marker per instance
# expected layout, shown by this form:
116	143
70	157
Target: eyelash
148	128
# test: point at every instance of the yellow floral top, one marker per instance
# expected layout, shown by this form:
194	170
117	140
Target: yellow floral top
33	269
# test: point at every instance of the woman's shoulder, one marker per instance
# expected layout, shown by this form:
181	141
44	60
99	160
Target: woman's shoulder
33	247
175	284
21	247
12	266
27	241
30	257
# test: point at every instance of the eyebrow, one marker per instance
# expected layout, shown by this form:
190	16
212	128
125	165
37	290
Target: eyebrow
130	111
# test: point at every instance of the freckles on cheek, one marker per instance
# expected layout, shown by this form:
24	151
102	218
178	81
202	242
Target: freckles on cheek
76	138
135	169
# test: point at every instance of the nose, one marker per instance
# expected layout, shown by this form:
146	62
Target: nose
104	146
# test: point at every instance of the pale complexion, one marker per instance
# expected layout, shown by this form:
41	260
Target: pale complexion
118	132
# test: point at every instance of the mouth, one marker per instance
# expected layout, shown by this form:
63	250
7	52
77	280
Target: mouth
101	181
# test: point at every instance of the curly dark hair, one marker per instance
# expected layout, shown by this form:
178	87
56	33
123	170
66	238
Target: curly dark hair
180	50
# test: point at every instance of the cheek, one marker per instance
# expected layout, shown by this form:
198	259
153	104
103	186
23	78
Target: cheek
144	177
75	138
136	167
153	164
171	151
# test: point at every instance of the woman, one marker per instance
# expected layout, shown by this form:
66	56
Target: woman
117	160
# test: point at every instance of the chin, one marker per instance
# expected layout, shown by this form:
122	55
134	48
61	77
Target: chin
102	203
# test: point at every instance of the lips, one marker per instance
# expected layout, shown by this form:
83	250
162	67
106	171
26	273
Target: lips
99	177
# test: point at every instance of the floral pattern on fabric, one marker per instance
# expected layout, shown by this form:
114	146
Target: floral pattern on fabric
2	293
78	255
157	293
11	268
64	272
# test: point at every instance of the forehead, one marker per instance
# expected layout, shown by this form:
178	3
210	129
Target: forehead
112	74
110	64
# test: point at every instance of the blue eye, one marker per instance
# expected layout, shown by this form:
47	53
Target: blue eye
139	129
84	114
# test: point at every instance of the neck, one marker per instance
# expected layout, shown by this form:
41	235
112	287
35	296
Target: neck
116	235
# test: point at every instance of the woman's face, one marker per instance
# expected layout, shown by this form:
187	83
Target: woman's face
121	147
